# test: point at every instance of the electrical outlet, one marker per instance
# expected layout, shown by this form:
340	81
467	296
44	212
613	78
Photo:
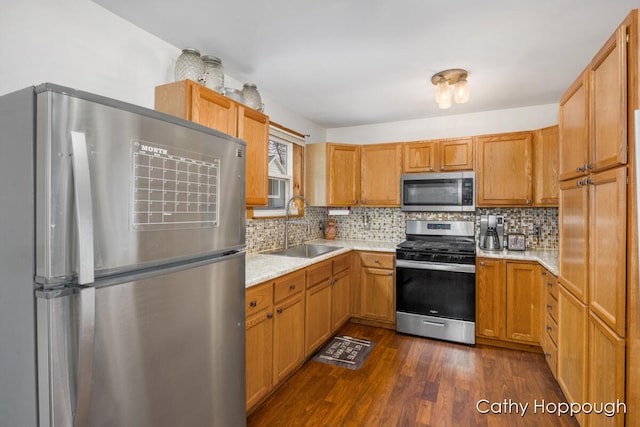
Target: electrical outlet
537	231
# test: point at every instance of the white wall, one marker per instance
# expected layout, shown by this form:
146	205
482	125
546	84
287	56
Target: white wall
516	119
79	44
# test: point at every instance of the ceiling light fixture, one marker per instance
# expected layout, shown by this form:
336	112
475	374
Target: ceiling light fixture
444	80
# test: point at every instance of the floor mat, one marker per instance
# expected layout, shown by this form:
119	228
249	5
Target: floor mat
345	351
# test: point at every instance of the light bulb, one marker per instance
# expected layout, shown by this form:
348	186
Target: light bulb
461	91
445	104
443	95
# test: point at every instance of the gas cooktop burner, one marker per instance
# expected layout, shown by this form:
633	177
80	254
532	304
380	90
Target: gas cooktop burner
432	241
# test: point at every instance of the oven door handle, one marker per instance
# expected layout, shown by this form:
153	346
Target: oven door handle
425	265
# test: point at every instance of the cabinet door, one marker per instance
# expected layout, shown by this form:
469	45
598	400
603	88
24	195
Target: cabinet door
378	294
253	128
317	316
572	348
213	110
608	103
523	302
573	128
381	167
259	339
288	336
573	221
490	299
545	148
504	170
341	300
455	154
420	156
344	174
606	370
607	247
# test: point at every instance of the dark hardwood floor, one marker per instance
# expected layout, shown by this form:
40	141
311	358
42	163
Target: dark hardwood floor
411	381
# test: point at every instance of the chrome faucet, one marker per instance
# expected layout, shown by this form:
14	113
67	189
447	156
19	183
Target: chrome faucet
286	219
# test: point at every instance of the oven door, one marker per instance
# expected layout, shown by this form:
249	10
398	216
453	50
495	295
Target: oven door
436	289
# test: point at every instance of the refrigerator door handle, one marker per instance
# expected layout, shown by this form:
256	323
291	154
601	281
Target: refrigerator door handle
87	296
84	211
86	337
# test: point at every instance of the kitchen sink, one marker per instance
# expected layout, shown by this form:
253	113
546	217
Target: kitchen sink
305	251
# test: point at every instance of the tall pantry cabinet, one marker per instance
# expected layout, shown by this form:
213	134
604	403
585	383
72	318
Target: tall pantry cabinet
595	219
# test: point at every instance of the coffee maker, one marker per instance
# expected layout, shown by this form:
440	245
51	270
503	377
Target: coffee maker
492	232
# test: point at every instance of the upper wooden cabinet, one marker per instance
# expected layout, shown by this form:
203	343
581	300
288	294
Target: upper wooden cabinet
608	103
574	129
353	175
192	101
593	113
381	167
504	169
438	155
545	166
333	174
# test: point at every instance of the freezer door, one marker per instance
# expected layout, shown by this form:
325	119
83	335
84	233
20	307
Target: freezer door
169	351
138	187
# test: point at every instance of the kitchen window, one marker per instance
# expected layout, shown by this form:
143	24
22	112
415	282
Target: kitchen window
281	170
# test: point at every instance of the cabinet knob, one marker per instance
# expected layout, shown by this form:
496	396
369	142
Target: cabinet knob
279	311
269	315
549	285
390	273
588	166
441	168
550	307
292	287
431	168
549	328
355	202
377	261
544	273
547	354
528	201
253	303
579	183
481	263
579	169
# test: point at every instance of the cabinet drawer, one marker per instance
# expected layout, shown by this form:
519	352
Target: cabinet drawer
288	285
552	284
552	307
258	298
318	273
341	263
551	354
552	329
377	260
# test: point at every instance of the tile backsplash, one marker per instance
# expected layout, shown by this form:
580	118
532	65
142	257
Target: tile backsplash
388	224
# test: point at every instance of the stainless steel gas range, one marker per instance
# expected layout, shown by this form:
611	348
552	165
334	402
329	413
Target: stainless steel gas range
435	280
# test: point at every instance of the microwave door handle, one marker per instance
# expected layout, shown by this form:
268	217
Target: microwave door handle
86	298
460	181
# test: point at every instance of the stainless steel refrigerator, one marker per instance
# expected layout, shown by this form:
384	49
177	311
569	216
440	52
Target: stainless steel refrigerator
121	265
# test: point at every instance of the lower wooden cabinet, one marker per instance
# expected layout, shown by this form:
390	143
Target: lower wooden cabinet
375	294
259	343
288	325
490	297
508	301
572	348
606	373
328	300
274	333
318	311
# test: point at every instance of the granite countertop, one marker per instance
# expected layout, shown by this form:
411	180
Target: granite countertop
261	267
547	258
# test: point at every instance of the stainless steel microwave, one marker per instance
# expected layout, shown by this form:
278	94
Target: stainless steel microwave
440	192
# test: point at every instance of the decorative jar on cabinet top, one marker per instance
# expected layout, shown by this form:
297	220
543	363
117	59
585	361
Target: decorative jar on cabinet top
189	65
251	97
213	73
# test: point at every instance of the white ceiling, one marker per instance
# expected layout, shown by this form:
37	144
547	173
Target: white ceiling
352	62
